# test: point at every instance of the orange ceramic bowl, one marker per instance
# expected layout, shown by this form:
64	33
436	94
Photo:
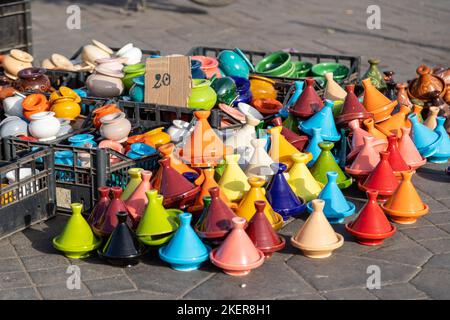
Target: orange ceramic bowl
103	111
34	103
267	106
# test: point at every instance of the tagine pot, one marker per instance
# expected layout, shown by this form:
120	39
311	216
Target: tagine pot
122	248
185	250
421	87
333	91
376	103
280	149
366	160
237	255
352	108
322	119
425	139
137	201
316	238
105	83
233	181
32	79
260	163
115	127
375	75
443	149
309	101
301	180
262	234
408	150
371	227
101	206
76	240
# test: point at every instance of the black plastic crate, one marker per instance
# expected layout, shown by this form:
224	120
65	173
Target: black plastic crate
78	182
15	26
352	62
28	200
77	79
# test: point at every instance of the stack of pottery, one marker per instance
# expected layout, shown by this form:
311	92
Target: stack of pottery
130	72
59	62
32	79
105	82
209	65
115	126
130	54
16	61
34	103
276	64
65	103
95	50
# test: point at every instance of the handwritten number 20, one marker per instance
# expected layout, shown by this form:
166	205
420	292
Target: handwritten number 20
160	81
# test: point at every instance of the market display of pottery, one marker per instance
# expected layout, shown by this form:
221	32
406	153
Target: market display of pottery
222	195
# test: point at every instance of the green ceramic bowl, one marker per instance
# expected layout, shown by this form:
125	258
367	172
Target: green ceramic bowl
340	72
275	64
302	68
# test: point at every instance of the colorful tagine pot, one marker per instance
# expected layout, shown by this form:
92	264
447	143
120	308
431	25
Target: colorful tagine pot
408	150
352	109
376	103
316	238
237	255
137	201
421	87
301	180
396	160
443	149
122	249
375	75
309	101
371	226
425	139
185	251
77	239
405	205
101	205
233	181
322	119
262	234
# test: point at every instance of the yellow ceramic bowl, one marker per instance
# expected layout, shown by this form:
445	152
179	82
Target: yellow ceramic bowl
262	87
156	137
66	108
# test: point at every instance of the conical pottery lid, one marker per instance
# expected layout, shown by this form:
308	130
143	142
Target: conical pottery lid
408	149
108	223
443	148
333	91
203	147
280	194
405	199
156	220
122	242
218	219
431	122
208	183
394	123
374	100
358	134
233	181
335	203
280	149
259	164
77	233
382	178
301	180
326	163
366	160
238	249
424	138
137	201
185	244
261	232
167	150
309	101
316	232
135	180
292	137
370	125
313	146
322	119
352	109
395	158
371	219
101	206
173	183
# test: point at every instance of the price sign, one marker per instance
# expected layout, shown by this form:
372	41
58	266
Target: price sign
168	80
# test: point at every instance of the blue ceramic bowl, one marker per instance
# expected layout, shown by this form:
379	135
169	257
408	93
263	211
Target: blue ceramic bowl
243	90
232	64
137	89
80	140
139	150
196	71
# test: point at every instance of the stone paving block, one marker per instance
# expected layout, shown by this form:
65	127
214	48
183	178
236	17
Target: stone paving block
439	261
47	261
434	205
421	222
339	272
36	248
19	294
402	291
437	245
437	218
426	233
132	295
14	280
445	202
7	251
435	185
10	265
415	255
445	227
350	294
59	291
434	283
101	286
270	280
50	276
156	276
303	296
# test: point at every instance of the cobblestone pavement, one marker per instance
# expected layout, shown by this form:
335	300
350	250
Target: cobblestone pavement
415	263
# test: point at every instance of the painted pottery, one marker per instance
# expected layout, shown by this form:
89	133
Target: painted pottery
405	206
133	183
226	90
394	124
209	65
280	149
443	149
375	75
95	50
156	137
34	103
44	126
313	146
302	68
262	87
137	201
185	251
115	127
131	54
105	83
241	140
196	71
98	113
158	224
140	150
425	139
371	227
431	122
301	180
267	106
309	101
262	234
366	160
376	103
408	150
337	208
202	95
32	79
322	119
326	163
136	92
13	126
333	91
237	255
316	238
233	181
244	94
232	63
15	61
76	240
395	159
260	163
340	72
421	87
277	64
402	95
66	108
352	108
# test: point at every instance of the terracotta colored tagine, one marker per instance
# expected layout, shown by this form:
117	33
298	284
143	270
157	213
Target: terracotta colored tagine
421	87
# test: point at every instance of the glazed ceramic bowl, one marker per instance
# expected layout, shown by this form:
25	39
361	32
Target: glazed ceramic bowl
275	64
139	150
248	110
13	126
225	89
83	140
262	87
115	127
66	108
132	71
302	68
137	90
12	106
209	65
267	106
340	72
44	126
232	63
131	54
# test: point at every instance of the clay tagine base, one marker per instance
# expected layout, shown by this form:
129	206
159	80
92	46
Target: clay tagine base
405	217
319	253
369	239
234	270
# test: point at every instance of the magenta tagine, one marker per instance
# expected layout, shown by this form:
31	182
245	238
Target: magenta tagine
280	195
185	251
337	208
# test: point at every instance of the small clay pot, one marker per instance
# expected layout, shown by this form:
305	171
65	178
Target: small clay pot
32	79
35	102
115	127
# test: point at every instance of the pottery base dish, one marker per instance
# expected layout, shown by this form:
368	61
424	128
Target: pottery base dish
431	149
156	240
417	164
184	264
367	239
182	201
319	253
384	113
293	212
383	196
437	159
405	217
236	270
76	252
268	252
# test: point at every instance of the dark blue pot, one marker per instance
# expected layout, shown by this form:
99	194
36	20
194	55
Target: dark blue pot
243	90
196	72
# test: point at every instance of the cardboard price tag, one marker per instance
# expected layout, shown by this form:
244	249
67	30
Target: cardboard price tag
168	80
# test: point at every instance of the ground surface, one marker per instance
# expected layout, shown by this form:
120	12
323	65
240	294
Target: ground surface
414	264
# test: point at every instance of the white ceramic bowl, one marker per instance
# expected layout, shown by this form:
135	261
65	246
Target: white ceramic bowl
249	110
13	106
